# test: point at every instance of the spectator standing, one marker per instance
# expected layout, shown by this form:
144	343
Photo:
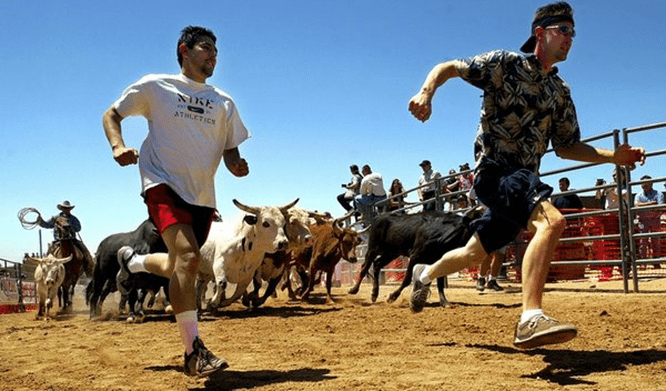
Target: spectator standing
648	221
428	185
345	199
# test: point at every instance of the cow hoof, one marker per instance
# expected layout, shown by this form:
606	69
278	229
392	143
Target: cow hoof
168	309
373	298
390	299
353	291
130	319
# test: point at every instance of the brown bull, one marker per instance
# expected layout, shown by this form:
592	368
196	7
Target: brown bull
331	243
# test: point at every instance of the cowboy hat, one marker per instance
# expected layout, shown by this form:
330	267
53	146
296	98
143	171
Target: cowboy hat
65	205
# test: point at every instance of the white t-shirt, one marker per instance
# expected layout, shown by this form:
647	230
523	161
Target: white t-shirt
190	125
373	184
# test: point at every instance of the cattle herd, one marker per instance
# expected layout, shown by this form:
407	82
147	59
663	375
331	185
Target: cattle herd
262	248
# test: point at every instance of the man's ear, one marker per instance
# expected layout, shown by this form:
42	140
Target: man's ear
182	49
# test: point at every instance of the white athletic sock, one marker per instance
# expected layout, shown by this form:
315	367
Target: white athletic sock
424	276
189	328
135	265
529	314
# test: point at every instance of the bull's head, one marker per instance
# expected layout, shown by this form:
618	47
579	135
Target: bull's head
348	239
269	222
48	269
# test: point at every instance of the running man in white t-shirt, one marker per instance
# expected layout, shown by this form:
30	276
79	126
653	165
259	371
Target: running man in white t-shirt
192	127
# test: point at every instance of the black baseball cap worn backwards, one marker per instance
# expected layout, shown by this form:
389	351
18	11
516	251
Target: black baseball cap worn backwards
544	20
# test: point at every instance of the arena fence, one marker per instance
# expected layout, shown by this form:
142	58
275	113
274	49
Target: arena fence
627	243
17	288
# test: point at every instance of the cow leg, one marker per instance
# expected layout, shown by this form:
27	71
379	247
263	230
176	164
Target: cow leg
441	283
253	296
270	290
329	284
41	310
138	306
406	281
131	301
364	271
219	296
310	286
240	291
375	280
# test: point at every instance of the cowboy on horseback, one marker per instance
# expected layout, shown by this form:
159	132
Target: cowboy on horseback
67	231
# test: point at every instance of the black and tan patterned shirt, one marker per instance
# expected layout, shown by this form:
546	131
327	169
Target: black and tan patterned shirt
522	110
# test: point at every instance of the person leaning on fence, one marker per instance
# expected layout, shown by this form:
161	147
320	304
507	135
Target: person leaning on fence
65	208
526	106
371	191
570	201
612	199
345	199
192	128
396	198
427	185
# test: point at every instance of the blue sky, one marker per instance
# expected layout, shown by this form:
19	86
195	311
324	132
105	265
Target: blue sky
320	84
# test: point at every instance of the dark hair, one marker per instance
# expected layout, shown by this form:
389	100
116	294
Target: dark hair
565	180
190	36
545	16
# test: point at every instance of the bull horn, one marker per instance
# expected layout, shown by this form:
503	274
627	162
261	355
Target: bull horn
65	260
249	209
284	208
364	230
337	230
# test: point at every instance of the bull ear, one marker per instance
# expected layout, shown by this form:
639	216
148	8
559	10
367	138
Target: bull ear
250	219
245	208
284	208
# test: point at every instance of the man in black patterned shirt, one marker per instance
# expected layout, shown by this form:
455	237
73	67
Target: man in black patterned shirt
526	106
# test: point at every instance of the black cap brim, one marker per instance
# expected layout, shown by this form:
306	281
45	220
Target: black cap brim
529	45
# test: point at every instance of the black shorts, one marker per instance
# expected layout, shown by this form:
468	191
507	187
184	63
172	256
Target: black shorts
511	194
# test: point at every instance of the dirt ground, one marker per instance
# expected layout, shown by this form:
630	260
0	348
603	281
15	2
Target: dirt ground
355	345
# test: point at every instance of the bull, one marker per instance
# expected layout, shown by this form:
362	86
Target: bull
234	250
49	276
145	239
331	244
423	237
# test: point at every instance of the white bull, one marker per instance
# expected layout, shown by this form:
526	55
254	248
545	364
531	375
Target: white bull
49	275
234	250
275	264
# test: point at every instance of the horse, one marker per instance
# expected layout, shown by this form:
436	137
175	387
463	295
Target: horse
65	246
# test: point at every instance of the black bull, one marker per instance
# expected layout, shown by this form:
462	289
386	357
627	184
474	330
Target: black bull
423	237
144	240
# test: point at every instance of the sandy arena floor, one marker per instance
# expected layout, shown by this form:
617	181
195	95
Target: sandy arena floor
355	345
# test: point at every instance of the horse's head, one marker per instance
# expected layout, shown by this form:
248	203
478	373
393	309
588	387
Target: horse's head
63	228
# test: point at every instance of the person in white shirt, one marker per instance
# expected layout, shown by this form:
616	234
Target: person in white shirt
192	127
372	191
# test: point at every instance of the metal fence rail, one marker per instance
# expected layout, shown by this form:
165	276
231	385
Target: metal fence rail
596	240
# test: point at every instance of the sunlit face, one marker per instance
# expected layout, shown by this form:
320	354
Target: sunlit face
556	42
201	59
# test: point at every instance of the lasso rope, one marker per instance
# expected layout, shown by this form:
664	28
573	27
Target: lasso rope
26	223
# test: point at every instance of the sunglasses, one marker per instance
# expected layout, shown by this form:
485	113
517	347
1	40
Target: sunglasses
564	29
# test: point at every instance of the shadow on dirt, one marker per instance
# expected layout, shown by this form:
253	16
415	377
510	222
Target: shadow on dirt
234	380
566	367
278	312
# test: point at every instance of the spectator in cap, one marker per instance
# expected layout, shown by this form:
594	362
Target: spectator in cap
428	185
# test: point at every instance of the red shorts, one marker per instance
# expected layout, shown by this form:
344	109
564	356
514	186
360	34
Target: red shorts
166	208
